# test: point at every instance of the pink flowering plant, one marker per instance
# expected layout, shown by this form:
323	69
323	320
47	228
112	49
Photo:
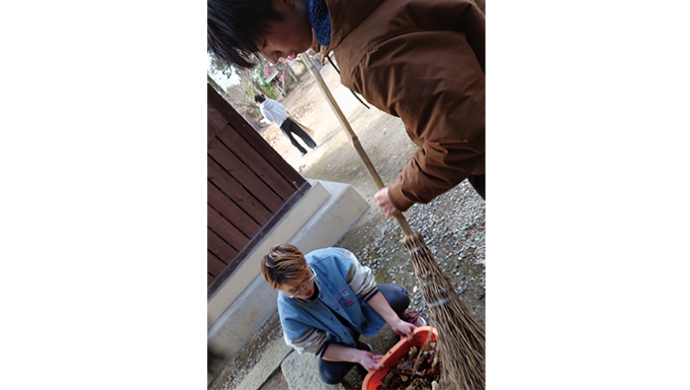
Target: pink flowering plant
275	73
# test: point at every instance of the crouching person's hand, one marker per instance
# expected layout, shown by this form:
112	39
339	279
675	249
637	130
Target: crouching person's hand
369	361
403	328
340	353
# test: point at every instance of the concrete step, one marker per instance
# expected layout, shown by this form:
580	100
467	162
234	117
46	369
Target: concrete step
266	366
302	373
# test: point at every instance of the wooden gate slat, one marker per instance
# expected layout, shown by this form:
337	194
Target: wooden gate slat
217	112
254	138
220	248
260	166
230	211
237	193
214	265
215	122
244	175
231	234
248	182
273	157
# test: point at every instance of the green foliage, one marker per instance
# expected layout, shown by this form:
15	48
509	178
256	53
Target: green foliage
251	82
268	88
241	95
254	112
217	67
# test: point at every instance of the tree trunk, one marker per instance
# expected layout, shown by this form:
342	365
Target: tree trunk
293	75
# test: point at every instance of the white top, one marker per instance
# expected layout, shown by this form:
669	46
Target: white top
273	111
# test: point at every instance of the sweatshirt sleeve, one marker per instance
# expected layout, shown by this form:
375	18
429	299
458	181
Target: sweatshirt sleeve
360	279
263	113
312	341
299	335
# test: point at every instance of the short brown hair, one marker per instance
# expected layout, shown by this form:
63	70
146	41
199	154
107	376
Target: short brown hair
282	264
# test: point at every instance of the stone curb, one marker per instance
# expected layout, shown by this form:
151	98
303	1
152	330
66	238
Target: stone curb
302	372
266	366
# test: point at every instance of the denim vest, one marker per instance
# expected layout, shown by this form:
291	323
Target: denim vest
297	317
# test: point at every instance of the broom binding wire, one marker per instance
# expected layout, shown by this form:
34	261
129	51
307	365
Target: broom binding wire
461	338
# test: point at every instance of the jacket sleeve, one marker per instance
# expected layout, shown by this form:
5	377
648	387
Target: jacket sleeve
265	117
299	335
434	81
360	279
312	341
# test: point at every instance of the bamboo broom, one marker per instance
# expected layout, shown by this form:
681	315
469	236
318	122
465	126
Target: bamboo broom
461	342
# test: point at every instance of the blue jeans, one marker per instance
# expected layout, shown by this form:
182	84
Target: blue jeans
333	372
479	184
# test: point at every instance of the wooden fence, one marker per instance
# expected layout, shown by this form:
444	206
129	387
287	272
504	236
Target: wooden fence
249	188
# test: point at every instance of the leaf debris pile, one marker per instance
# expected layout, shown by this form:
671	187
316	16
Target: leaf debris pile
415	371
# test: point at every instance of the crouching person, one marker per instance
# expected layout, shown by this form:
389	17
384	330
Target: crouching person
327	299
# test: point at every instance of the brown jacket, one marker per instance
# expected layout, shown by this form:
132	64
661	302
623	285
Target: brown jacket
422	61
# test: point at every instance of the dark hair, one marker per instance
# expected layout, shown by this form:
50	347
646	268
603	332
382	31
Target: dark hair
259	98
283	264
234	27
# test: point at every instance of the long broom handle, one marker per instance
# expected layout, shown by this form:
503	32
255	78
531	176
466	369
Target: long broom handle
407	231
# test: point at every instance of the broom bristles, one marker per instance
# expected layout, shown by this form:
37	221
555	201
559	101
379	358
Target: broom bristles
461	341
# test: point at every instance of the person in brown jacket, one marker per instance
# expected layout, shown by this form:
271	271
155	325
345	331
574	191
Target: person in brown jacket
419	60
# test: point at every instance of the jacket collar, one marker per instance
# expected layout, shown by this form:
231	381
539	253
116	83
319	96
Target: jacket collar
346	15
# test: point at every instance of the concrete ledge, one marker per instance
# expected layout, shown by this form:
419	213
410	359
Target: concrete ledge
239	322
310	204
333	220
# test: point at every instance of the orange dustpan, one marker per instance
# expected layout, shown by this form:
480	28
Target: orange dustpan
419	338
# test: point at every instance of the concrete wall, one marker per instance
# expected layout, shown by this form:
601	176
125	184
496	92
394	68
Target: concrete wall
245	301
245	273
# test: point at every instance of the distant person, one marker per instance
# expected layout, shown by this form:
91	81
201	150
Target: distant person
419	60
327	299
274	112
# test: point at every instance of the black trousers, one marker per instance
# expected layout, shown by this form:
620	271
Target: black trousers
478	183
334	372
289	127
